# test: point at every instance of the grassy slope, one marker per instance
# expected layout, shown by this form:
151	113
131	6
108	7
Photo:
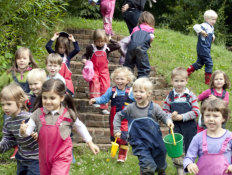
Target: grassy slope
169	50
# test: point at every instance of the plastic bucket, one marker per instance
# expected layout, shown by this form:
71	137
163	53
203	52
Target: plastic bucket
114	149
174	150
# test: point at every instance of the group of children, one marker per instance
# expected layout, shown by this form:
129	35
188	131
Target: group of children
43	135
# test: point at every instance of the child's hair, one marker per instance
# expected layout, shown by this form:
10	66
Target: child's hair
143	83
58	87
210	14
14	92
62	41
179	71
216	105
226	78
100	34
54	58
148	18
18	54
126	71
37	74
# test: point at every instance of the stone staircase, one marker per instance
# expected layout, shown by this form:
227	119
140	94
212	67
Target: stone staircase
97	123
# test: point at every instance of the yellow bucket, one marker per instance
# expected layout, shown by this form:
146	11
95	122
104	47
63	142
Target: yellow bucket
114	148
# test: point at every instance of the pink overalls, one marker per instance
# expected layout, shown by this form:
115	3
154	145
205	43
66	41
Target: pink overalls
213	164
55	154
101	80
107	11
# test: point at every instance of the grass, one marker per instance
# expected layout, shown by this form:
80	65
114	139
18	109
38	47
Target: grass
169	49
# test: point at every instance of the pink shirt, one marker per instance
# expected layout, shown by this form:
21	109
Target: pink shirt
207	93
146	28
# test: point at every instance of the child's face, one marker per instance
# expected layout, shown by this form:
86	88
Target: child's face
141	96
35	86
211	21
10	108
121	81
219	80
179	82
99	43
213	120
61	49
51	101
23	60
53	69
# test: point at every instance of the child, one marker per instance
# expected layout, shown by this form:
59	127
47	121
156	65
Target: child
141	38
182	104
62	47
36	78
54	117
213	145
12	101
53	66
98	53
22	64
144	131
119	95
206	36
218	84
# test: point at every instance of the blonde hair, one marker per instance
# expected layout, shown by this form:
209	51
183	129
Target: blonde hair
179	71
226	78
14	92
210	14
126	71
100	34
146	17
54	58
37	74
143	83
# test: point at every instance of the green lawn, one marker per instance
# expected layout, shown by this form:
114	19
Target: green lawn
169	50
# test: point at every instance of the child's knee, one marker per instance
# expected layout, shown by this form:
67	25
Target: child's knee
178	162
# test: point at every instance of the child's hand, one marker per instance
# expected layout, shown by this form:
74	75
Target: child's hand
83	61
192	168
71	38
94	148
125	7
179	117
229	169
23	128
170	124
204	34
55	36
34	135
174	115
212	96
92	101
213	38
118	134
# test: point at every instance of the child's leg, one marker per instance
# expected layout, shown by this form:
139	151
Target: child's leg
208	69
178	163
142	63
199	63
33	167
104	80
94	86
129	60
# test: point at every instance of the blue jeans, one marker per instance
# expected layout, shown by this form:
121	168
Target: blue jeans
204	60
131	17
27	166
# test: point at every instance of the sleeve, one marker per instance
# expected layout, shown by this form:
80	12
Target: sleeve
8	140
75	51
204	95
192	152
49	47
88	53
167	105
161	114
105	98
195	112
119	117
113	45
197	28
82	130
227	97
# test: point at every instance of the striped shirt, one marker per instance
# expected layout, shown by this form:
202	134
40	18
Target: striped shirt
28	147
194	113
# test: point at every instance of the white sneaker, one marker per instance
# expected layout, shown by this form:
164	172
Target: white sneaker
96	105
105	112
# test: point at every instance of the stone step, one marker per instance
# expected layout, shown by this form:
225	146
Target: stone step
102	147
94	120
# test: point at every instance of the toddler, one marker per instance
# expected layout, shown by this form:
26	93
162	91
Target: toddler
144	132
54	116
62	47
98	53
119	95
212	146
206	36
182	104
13	99
141	38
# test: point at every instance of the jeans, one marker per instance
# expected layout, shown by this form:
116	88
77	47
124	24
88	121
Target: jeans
131	17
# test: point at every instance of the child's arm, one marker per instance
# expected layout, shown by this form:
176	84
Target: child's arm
8	140
105	98
204	95
50	42
117	121
163	116
113	45
166	105
76	47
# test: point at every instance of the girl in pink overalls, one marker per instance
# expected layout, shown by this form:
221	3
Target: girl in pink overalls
98	53
213	146
54	117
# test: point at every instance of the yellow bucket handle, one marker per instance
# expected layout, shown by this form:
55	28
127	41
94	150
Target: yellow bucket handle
115	139
174	140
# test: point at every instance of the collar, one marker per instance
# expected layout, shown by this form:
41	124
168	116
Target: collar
60	111
186	91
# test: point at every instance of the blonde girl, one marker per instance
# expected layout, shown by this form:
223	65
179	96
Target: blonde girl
120	95
54	117
13	99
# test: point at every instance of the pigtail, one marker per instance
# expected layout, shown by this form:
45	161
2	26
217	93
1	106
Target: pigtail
38	103
69	104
